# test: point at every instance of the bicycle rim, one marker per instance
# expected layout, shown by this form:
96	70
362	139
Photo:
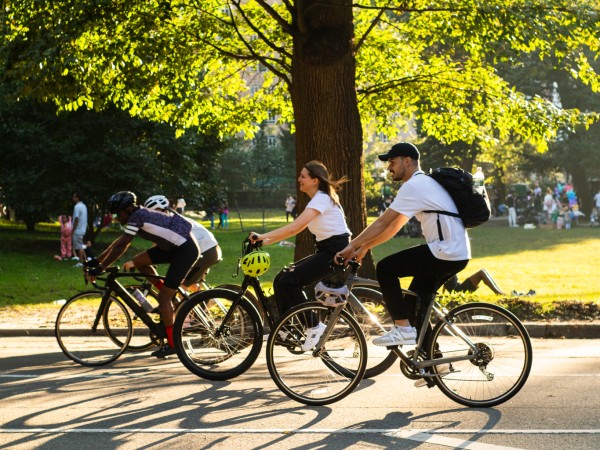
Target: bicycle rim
81	329
314	377
210	348
504	355
380	358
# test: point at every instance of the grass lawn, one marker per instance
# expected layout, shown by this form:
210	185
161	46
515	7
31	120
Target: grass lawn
558	265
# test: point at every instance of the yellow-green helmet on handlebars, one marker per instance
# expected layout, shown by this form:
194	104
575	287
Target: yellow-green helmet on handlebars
255	263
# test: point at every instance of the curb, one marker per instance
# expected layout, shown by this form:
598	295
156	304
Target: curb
546	330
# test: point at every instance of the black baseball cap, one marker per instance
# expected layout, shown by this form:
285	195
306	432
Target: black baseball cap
405	149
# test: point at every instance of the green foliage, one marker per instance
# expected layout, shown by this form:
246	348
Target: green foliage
188	63
46	157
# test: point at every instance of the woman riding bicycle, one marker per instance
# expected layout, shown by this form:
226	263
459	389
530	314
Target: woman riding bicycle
175	244
325	219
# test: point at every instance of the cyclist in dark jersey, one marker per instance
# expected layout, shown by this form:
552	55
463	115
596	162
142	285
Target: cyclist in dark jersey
175	244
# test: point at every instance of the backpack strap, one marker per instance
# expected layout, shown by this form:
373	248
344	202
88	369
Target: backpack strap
446	213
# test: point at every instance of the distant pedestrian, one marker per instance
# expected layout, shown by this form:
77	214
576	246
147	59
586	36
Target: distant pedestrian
180	208
512	212
289	207
547	205
224	220
80	219
66	236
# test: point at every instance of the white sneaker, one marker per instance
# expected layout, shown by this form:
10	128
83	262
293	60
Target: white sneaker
397	337
312	337
442	370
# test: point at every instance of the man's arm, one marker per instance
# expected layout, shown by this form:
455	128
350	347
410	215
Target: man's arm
382	229
115	250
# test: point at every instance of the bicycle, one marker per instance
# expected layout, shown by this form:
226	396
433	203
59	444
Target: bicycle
94	328
143	340
477	354
231	347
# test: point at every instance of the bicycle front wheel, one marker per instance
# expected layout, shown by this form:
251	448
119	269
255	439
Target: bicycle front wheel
374	322
503	355
208	346
324	375
83	324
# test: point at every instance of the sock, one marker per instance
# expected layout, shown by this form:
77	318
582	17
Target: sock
158	283
170	336
405	329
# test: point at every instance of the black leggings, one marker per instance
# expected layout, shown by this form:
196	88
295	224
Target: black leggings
289	282
428	273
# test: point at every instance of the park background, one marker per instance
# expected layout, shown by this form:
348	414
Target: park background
224	103
560	265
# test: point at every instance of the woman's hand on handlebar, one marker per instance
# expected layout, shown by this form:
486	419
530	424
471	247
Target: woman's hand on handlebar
255	237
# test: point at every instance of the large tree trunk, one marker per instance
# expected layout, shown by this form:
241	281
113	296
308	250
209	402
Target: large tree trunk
325	105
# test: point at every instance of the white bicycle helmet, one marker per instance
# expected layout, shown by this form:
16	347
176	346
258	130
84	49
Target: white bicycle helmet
331	296
156	202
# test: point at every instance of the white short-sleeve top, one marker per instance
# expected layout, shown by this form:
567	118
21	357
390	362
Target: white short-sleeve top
422	193
331	221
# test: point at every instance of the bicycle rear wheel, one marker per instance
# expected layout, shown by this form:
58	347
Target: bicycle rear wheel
380	358
503	361
210	348
82	326
314	377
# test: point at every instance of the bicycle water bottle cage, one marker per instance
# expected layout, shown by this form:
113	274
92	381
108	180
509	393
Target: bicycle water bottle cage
332	296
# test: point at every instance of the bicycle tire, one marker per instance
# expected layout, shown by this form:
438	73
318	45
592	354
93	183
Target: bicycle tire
198	346
142	339
380	358
80	340
312	377
506	355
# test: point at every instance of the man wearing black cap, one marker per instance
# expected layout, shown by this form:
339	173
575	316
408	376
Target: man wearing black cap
446	252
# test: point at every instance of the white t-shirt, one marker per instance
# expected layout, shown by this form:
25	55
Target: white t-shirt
597	199
80	213
548	200
423	193
206	240
331	221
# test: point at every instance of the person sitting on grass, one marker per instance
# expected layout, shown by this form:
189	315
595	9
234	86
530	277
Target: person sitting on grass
472	283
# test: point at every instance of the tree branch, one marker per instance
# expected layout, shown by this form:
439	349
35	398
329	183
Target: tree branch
366	33
280	20
258	32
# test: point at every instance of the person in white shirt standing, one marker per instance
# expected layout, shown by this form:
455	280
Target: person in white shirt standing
79	228
325	219
446	252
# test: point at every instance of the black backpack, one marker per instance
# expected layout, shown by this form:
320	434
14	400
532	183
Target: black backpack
473	207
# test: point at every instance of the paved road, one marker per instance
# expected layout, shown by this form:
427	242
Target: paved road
49	402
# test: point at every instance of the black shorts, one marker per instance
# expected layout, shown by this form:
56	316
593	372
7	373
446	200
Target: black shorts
209	258
181	259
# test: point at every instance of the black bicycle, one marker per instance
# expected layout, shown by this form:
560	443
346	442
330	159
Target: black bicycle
230	344
94	328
